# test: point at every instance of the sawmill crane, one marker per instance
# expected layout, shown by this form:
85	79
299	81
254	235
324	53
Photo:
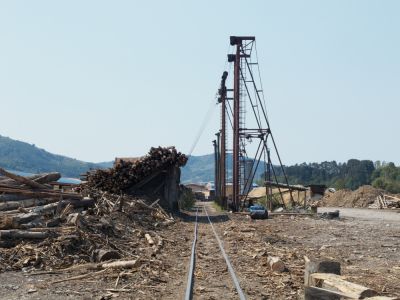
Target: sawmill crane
245	128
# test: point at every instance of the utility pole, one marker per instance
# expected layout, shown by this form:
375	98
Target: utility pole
217	183
222	160
215	165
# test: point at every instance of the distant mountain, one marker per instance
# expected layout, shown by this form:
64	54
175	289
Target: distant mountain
198	169
24	157
201	169
105	164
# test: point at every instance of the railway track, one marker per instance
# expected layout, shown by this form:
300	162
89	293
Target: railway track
210	271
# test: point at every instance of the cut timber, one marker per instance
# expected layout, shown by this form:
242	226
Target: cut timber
319	266
149	239
46	178
39	178
44	208
10	205
335	282
276	264
38	194
22	234
23	180
12	197
123	264
52	206
157	248
14	222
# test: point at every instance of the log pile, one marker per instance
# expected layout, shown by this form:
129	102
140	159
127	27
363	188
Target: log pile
42	229
126	175
98	230
385	201
28	203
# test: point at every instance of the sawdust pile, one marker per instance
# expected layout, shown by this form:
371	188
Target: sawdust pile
362	197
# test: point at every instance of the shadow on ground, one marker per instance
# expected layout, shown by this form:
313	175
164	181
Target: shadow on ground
190	216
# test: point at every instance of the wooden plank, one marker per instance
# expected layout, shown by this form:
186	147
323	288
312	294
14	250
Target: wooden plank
22	234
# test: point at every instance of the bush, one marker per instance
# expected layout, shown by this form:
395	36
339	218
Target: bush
186	199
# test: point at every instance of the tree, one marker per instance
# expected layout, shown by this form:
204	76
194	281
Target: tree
350	175
387	177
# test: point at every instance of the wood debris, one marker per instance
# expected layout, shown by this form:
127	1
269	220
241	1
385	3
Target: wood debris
99	224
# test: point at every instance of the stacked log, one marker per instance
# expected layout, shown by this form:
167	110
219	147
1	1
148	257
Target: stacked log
26	202
48	233
126	175
44	228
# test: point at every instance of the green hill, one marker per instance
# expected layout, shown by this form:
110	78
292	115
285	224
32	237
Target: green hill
21	156
198	169
201	169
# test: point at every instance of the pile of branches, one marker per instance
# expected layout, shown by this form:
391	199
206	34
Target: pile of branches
43	229
66	229
126	175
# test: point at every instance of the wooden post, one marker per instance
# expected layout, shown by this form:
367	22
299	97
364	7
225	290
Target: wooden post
171	188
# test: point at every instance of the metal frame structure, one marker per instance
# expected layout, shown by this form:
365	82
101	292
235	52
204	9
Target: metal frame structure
245	93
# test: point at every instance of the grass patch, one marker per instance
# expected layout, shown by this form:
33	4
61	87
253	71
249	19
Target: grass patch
217	207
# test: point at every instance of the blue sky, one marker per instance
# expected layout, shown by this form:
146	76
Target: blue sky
99	79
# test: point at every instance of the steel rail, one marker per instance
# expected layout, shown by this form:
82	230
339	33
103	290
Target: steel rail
228	263
189	285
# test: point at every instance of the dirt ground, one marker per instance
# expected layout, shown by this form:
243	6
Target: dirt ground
162	277
366	247
367	250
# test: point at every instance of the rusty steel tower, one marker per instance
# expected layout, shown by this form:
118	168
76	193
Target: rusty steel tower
235	103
